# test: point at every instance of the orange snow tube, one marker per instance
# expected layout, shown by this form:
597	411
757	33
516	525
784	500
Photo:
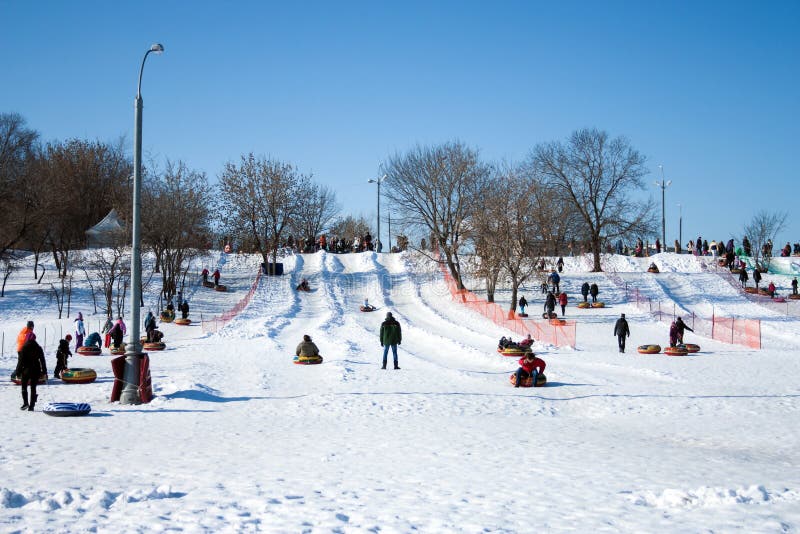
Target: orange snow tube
154	345
182	321
676	351
598	304
649	349
541	380
691	348
583	305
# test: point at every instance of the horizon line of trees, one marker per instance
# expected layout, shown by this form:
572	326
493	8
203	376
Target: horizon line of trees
564	194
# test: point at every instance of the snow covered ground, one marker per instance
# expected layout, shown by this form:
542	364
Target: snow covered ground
238	438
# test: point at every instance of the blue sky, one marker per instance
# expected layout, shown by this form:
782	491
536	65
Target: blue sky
708	89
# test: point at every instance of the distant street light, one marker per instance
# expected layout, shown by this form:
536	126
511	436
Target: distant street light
664	186
680	224
130	393
379	181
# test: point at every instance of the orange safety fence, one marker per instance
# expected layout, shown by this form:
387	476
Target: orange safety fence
215	324
557	332
733	330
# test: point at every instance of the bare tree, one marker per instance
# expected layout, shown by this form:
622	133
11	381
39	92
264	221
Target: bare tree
17	190
436	189
177	223
317	211
762	230
598	176
9	265
349	227
262	198
109	266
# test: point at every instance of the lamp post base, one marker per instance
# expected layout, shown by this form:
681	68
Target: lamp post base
130	393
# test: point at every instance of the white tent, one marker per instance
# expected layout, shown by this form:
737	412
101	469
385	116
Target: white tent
107	232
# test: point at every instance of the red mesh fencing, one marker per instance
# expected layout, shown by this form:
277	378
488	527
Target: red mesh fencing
557	332
215	324
733	330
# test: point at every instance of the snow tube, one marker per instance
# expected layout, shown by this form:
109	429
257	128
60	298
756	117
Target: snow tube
89	351
541	380
558	322
514	351
182	321
794	297
118	350
652	270
167	316
208	284
779	299
763	292
691	348
67	409
676	351
367	309
750	290
649	349
522	315
18	381
583	305
154	345
221	287
736	271
78	376
307	360
598	304
551	315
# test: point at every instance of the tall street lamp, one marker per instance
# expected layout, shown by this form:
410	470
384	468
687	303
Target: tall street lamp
680	224
379	181
130	393
664	186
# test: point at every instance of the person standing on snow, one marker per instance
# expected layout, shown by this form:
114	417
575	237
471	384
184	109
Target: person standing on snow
594	291
522	304
743	277
794	286
562	300
756	276
80	331
585	291
216	277
622	330
150	326
673	334
184	309
682	327
30	367
560	264
391	335
550	304
62	354
24	335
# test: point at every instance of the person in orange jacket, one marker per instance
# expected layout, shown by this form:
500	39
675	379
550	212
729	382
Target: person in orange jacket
529	366
562	300
24	335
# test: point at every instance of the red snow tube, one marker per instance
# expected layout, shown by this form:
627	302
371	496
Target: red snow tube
89	351
649	349
18	381
221	287
78	376
779	299
367	309
676	351
750	290
794	297
691	348
541	380
307	360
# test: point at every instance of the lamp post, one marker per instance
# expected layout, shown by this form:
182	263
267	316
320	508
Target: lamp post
664	186
379	181
680	224
130	393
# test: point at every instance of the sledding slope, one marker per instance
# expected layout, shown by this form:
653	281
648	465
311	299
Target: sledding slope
238	438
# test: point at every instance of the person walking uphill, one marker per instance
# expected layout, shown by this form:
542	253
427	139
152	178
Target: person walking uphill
756	276
562	301
80	331
743	277
622	330
24	335
30	366
216	276
594	290
522	304
391	336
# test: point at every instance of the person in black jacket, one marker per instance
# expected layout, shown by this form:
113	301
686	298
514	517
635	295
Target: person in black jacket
621	330
681	326
585	290
743	277
30	367
185	309
594	290
756	276
62	354
794	286
550	303
150	326
522	304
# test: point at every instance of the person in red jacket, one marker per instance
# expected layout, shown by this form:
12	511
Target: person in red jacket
204	274
216	276
529	366
562	300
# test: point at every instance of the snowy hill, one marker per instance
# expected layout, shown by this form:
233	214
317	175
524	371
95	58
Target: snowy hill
238	438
